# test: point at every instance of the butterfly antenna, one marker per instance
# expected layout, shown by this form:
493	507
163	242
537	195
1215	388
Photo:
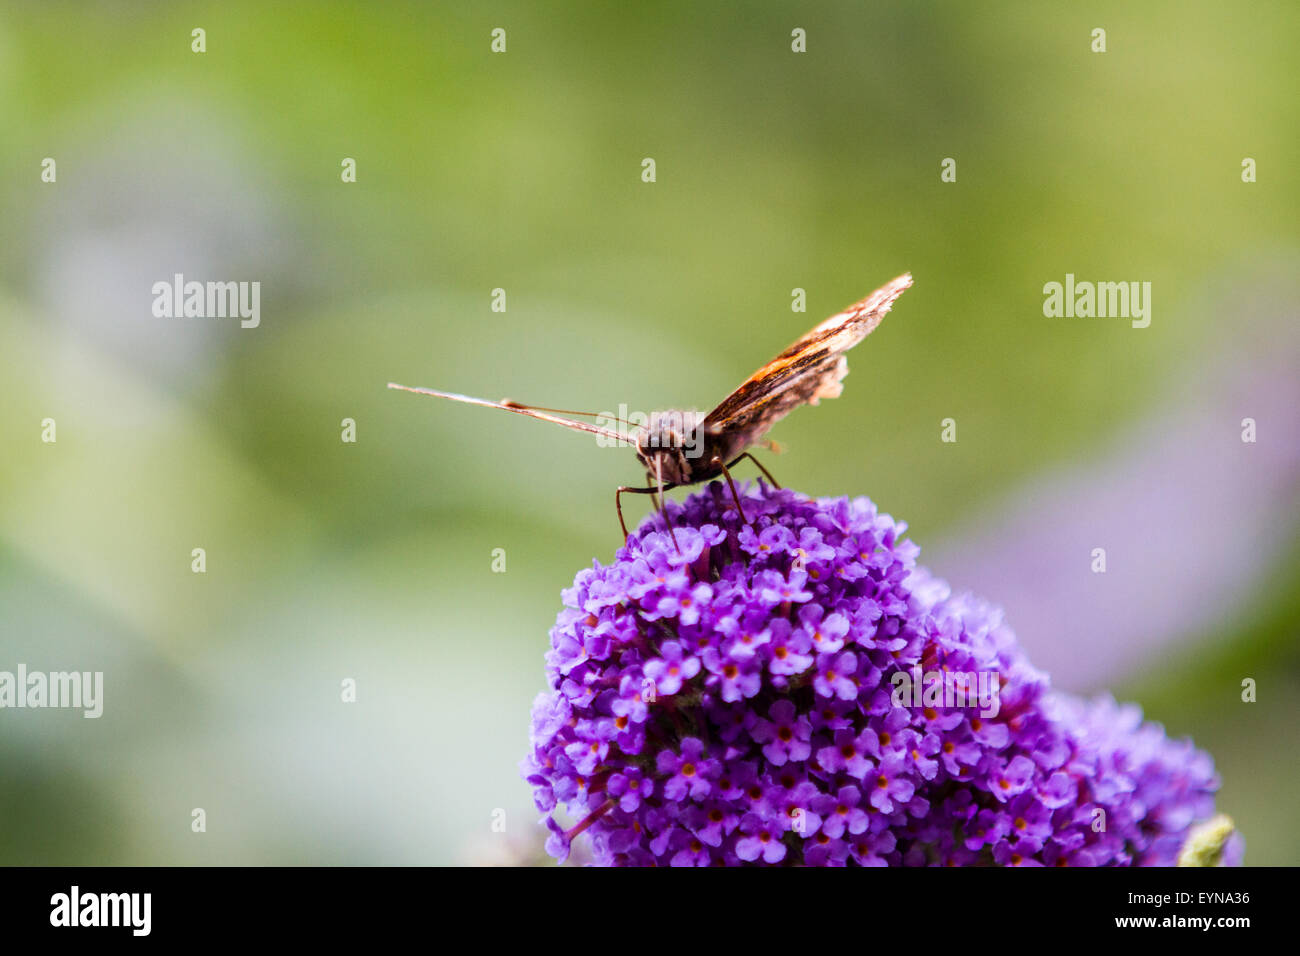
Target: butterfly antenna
562	411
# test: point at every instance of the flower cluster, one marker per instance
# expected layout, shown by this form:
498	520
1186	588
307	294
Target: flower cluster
753	691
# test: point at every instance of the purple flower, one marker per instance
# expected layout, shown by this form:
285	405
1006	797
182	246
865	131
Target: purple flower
841	813
826	632
759	840
671	668
846	753
784	737
789	649
835	675
738	702
689	773
1006	782
891	784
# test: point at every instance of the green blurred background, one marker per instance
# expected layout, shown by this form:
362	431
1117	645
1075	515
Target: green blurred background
522	171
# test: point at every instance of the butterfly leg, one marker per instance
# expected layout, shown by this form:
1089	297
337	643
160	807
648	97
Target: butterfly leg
656	493
732	485
618	502
767	474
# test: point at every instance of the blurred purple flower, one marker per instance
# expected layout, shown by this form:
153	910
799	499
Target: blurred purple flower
1178	496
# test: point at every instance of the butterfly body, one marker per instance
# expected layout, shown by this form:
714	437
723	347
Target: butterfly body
676	446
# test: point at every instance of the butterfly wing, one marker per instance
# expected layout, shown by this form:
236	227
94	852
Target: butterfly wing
520	409
808	371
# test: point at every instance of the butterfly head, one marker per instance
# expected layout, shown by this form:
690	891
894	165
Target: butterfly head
671	444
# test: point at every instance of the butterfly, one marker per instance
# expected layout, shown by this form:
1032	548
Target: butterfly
685	447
